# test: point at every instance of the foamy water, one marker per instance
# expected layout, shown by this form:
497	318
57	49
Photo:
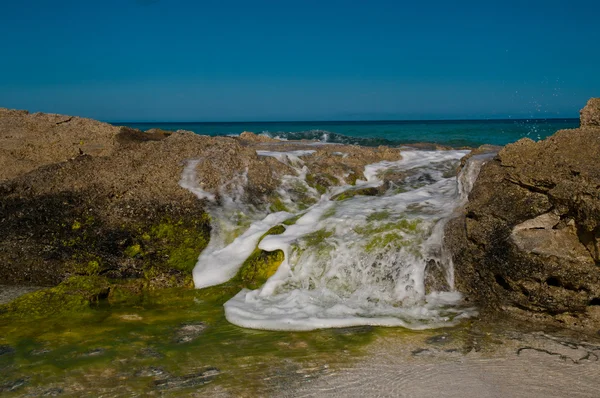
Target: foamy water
356	261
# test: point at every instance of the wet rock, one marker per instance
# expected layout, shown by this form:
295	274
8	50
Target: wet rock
96	352
152	371
527	241
40	351
150	352
436	279
439	339
354	330
6	350
187	381
421	352
14	385
189	332
85	198
52	392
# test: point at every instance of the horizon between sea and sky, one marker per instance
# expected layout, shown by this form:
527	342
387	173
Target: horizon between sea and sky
237	61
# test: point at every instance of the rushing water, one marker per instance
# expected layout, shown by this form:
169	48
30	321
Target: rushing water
357	261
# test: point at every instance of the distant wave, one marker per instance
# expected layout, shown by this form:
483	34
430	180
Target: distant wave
329	137
335	138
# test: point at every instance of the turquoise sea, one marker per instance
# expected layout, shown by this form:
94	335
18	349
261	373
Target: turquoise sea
455	133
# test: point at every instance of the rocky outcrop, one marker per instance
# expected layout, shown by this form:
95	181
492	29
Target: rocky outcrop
590	114
33	140
529	239
83	198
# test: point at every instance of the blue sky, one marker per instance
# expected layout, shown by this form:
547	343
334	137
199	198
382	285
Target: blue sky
151	60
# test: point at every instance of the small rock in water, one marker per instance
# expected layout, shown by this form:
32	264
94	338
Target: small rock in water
420	352
152	371
130	317
53	392
6	350
189	332
13	385
150	352
439	339
40	351
95	352
191	380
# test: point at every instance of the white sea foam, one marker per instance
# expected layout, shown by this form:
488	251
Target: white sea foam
359	261
189	181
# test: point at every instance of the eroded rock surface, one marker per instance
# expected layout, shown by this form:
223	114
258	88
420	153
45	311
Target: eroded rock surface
528	242
84	198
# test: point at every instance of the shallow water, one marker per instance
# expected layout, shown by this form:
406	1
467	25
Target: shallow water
178	340
178	343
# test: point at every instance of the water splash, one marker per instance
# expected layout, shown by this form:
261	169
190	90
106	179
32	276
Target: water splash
352	259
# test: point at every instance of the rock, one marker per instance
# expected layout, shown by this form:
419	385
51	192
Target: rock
130	317
52	392
152	371
590	114
187	381
6	350
249	136
150	352
189	332
527	242
439	339
96	352
30	141
14	385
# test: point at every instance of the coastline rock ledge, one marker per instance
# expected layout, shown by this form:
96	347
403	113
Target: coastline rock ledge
528	241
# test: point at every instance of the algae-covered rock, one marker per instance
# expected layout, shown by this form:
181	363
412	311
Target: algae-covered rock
73	295
261	264
350	193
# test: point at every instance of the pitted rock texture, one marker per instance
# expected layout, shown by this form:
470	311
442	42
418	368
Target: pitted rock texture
529	239
81	197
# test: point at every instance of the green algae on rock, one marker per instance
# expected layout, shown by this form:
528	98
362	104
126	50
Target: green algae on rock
261	264
73	295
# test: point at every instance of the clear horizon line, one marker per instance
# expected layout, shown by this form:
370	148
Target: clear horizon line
520	119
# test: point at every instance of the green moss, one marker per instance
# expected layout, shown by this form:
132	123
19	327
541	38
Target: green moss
351	179
378	216
317	237
382	241
321	181
329	213
133	250
89	268
277	205
259	267
350	193
312	180
276	230
292	220
404	225
179	242
261	264
73	295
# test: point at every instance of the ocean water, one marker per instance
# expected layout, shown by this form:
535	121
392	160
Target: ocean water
454	133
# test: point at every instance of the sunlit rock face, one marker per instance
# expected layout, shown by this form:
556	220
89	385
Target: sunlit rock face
529	239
